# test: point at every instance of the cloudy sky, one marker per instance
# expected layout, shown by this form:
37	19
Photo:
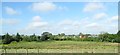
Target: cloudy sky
59	17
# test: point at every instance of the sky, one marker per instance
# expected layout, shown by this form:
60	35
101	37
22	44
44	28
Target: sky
59	17
60	0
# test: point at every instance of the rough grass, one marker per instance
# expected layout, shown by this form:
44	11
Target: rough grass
63	46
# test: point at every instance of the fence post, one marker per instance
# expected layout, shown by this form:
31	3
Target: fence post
5	50
27	51
38	51
16	50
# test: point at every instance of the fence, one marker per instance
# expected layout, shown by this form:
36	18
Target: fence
59	50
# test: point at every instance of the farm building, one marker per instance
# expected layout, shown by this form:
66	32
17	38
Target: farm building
83	36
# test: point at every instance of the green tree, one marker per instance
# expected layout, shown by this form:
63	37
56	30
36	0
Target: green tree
33	37
3	37
80	34
118	33
7	39
51	37
62	34
103	36
117	39
45	36
18	37
39	38
27	38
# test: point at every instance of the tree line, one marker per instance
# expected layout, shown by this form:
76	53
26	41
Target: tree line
47	36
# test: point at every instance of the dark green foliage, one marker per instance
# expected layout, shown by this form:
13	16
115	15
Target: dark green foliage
45	36
109	37
18	37
7	39
3	37
27	38
39	39
33	37
56	38
103	37
68	38
117	39
0	37
118	33
62	34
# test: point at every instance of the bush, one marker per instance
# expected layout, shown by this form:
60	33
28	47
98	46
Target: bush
28	39
117	39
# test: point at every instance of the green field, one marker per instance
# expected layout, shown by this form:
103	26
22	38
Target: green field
61	47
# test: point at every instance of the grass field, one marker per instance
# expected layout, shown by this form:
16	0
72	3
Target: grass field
62	47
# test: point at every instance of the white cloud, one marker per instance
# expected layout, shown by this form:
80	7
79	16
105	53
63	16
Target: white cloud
93	6
68	26
62	8
97	27
100	16
92	25
66	22
114	18
36	19
43	7
10	11
9	21
36	23
46	7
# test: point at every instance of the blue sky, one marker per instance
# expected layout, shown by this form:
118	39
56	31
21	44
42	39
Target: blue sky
59	17
61	0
